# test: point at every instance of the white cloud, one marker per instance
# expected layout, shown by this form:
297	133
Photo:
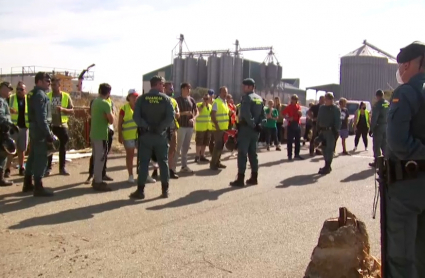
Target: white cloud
128	38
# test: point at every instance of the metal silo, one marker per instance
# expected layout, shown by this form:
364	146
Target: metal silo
271	75
202	73
226	72
279	72
237	78
365	70
263	69
213	69
191	71
178	71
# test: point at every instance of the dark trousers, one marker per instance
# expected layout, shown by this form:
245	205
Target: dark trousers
271	135
280	132
294	136
313	136
262	137
362	131
63	136
308	127
109	145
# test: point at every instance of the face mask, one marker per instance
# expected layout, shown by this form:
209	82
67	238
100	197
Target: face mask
398	77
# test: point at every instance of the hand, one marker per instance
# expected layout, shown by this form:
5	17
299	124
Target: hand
370	133
120	139
191	121
217	127
59	108
258	127
13	111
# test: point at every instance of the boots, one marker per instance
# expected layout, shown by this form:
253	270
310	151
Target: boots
173	175
4	182
39	190
28	186
253	179
325	170
239	182
373	164
139	193
164	187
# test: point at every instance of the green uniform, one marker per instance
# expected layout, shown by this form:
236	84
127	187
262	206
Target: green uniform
39	118
4	117
251	114
153	114
378	127
328	124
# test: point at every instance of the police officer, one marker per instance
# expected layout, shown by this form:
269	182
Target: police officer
378	125
39	118
405	206
153	114
251	119
5	89
328	125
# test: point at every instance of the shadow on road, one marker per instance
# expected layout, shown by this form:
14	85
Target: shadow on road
61	193
360	175
299	180
207	172
77	214
273	163
194	197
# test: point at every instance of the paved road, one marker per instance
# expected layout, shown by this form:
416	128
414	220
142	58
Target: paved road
205	228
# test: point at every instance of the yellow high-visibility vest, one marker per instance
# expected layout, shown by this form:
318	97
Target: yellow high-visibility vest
64	104
129	126
222	114
238	112
13	103
174	102
203	121
366	113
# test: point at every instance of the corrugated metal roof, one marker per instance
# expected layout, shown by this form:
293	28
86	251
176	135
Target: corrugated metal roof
368	51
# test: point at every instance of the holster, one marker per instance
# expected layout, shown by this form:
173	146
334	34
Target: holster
403	170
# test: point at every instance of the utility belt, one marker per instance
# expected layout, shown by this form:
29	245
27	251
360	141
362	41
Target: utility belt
325	129
404	170
142	131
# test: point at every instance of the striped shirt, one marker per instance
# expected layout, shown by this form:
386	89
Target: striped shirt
186	104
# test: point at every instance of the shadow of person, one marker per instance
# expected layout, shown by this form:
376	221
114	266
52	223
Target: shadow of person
194	197
299	180
61	193
360	175
76	214
273	163
317	158
207	172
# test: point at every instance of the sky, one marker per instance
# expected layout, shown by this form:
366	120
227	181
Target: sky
128	38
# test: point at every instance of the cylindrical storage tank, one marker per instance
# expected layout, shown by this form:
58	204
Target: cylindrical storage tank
263	69
237	78
178	71
213	69
271	75
361	76
202	73
226	72
279	72
191	71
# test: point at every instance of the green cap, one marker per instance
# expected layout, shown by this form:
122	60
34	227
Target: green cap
248	82
410	52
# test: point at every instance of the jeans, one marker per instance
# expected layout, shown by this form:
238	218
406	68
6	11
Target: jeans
271	135
99	154
280	132
109	145
184	136
294	136
62	134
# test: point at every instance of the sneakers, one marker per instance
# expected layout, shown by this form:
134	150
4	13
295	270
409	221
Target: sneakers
107	178
355	149
150	180
130	179
203	159
186	170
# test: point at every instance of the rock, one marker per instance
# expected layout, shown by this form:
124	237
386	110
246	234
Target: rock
343	250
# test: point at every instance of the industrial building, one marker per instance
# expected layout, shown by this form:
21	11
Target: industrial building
362	72
70	78
212	69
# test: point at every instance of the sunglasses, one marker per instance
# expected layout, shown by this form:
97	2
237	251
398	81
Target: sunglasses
19	89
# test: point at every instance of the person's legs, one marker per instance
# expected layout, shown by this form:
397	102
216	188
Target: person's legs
364	137
180	139
186	145
129	146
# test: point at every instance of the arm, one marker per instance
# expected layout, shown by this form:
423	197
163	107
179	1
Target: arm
177	112
246	114
169	116
337	119
120	122
194	109
107	110
375	114
214	116
70	109
138	112
40	111
399	137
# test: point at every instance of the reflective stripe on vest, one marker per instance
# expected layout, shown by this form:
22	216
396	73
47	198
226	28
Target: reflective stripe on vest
366	113
64	104
222	114
129	126
203	121
174	102
13	103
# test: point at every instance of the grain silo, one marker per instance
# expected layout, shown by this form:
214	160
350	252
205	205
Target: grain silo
226	72
263	69
178	71
365	70
237	78
191	71
213	69
271	75
279	72
202	72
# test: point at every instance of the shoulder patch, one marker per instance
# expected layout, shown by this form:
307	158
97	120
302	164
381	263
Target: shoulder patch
395	100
